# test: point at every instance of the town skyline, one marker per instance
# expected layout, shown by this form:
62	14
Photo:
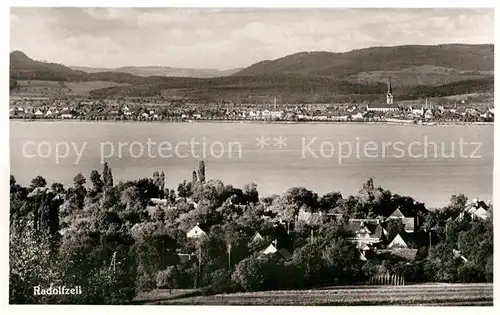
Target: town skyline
200	38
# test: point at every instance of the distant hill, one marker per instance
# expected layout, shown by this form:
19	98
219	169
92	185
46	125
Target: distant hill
289	88
292	88
162	71
416	72
409	65
21	64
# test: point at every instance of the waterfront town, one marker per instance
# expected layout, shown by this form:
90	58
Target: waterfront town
160	109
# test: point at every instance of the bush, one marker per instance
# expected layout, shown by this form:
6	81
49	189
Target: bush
146	282
167	278
221	281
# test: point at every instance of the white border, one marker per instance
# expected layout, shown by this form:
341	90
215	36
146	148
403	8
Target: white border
4	163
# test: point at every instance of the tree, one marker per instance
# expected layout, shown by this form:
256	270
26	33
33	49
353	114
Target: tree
201	171
308	259
341	259
221	281
97	183
394	227
107	176
79	180
162	184
38	181
195	177
156	178
130	199
57	187
457	205
440	265
367	193
12	180
167	278
250	193
248	274
301	196
329	201
32	263
184	190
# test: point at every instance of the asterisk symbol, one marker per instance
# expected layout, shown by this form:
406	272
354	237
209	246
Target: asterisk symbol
262	142
280	142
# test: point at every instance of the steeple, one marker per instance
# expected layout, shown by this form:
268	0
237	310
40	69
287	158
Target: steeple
390	98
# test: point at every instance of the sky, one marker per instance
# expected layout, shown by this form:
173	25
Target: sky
229	38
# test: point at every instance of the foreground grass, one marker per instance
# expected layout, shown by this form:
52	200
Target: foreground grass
428	294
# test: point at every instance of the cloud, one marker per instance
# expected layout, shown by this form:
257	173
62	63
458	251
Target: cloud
227	38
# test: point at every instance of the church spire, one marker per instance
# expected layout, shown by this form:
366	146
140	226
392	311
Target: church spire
390	98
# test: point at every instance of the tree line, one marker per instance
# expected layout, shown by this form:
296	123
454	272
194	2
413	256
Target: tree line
116	240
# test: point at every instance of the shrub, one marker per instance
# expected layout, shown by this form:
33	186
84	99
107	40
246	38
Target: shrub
221	281
167	278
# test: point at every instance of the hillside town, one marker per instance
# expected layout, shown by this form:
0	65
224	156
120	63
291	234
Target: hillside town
151	109
210	237
394	237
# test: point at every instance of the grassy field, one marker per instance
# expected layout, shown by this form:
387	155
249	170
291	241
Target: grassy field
83	88
422	294
58	88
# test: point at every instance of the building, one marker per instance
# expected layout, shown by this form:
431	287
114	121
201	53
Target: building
357	116
273	249
272	114
389	105
197	231
409	222
419	112
398	242
428	114
366	232
389	96
277	233
381	107
311	218
478	209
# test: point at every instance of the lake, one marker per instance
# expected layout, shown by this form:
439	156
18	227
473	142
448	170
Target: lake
428	163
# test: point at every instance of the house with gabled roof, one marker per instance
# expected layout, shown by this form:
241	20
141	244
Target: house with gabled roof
366	231
409	222
477	209
277	233
402	240
398	242
274	249
311	218
397	214
197	231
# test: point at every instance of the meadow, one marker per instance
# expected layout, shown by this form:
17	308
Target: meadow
422	294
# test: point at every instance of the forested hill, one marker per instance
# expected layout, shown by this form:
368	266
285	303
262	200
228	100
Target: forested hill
416	71
452	56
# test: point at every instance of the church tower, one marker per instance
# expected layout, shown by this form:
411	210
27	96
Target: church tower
390	98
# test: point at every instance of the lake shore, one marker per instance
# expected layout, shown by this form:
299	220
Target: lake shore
432	124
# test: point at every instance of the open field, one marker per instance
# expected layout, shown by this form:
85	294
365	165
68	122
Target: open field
418	75
422	294
83	88
60	88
